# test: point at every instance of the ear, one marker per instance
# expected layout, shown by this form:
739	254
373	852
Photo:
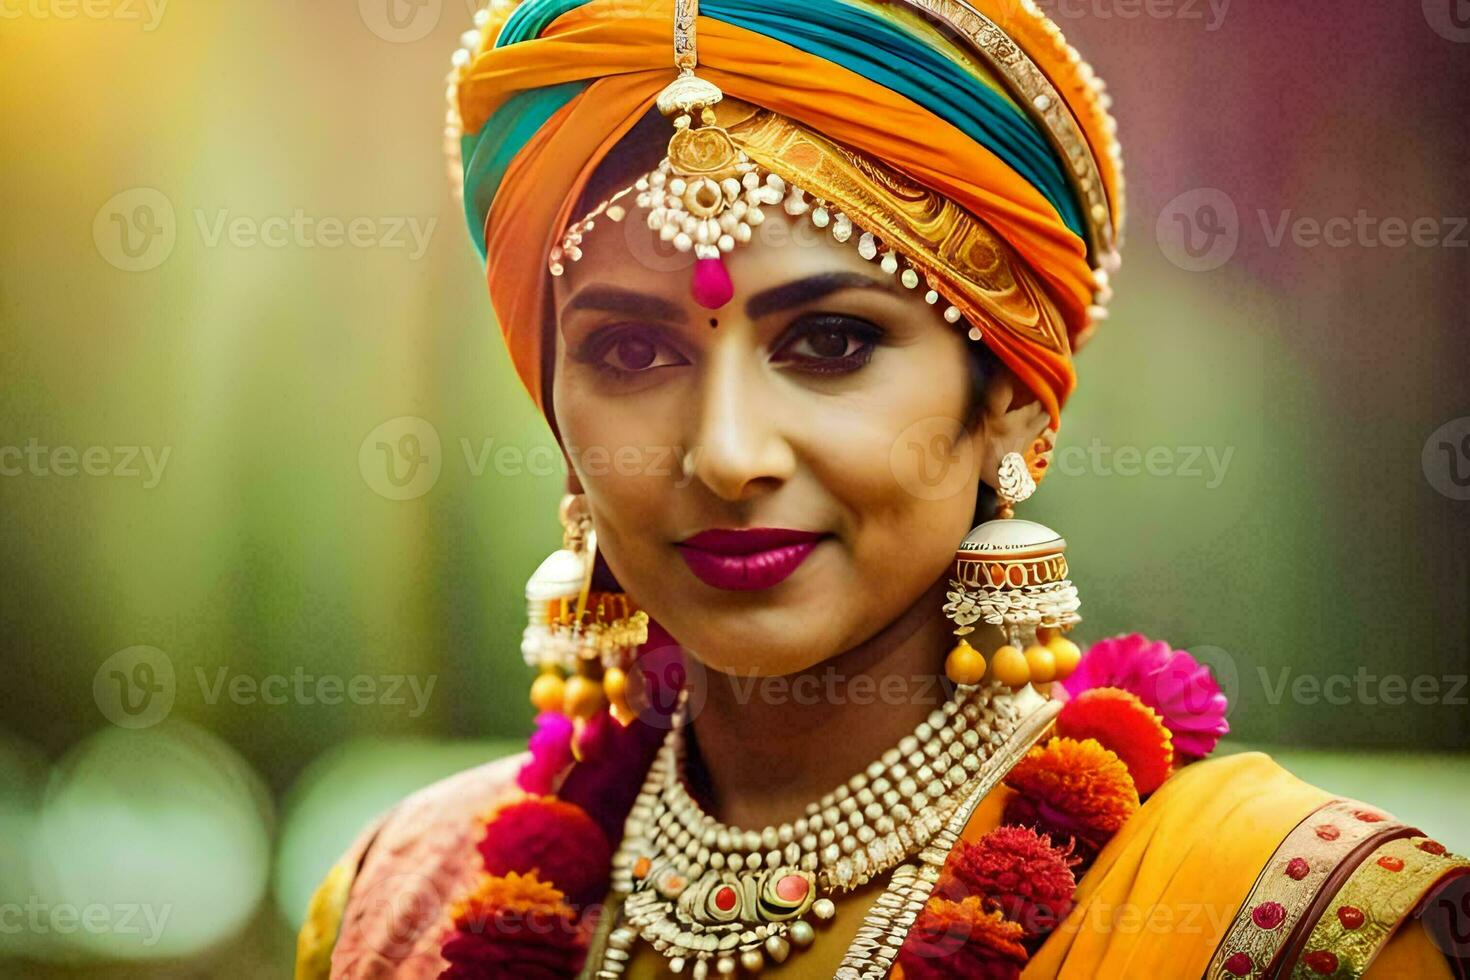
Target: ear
1010	420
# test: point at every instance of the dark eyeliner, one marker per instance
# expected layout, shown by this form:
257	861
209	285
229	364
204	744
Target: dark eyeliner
865	332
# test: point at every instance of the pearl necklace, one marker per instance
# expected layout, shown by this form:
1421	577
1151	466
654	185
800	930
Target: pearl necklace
711	896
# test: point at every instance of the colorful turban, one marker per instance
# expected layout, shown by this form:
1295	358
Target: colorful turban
980	111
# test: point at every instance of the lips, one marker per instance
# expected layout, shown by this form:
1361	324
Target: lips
747	559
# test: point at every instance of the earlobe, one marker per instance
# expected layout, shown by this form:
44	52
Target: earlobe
574	482
1010	421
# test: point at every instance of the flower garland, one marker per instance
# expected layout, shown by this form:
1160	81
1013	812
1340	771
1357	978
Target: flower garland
1135	710
1131	702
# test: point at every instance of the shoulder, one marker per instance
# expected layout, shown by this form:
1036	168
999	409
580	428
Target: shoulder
1235	857
383	909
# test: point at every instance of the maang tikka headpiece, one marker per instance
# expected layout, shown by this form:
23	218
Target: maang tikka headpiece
707	195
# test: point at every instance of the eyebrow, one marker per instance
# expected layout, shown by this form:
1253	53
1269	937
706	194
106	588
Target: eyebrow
615	299
630	302
806	290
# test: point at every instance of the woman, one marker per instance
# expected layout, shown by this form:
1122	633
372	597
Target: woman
798	287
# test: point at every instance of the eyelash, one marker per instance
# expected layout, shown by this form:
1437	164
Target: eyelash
595	349
866	333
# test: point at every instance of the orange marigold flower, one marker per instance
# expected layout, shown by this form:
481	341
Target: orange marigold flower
1123	723
1072	790
962	939
514	927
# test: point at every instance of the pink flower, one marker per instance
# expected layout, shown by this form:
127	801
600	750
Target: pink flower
551	754
1172	682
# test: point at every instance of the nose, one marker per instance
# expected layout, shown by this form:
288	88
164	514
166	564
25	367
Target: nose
740	448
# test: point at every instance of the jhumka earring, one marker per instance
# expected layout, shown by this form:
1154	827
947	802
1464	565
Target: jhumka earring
579	641
1012	574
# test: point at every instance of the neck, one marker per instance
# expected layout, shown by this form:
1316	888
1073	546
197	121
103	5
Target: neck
766	747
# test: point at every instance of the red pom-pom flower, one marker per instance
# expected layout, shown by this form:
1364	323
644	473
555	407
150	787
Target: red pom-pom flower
1017	871
962	939
556	840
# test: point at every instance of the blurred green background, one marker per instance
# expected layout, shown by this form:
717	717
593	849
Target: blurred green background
234	278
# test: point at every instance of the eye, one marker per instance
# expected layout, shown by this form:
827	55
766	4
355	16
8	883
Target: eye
828	344
628	350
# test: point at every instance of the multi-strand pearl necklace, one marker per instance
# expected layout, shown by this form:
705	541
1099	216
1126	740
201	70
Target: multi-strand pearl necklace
714	898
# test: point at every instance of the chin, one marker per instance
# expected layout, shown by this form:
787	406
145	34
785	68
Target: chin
760	639
769	661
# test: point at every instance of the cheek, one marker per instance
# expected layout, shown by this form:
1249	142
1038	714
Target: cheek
628	464
900	460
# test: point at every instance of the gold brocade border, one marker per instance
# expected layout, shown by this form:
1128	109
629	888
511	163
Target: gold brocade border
1284	890
1040	100
960	256
1369	906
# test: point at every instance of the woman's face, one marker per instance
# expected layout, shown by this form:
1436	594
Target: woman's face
824	399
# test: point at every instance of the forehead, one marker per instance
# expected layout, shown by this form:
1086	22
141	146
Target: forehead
628	254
